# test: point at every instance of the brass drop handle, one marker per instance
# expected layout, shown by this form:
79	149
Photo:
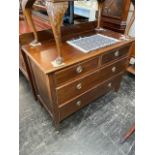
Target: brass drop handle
78	103
109	84
79	86
116	53
113	69
79	69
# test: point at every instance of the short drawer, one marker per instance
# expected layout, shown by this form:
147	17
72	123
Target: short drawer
69	91
75	71
89	96
115	54
112	69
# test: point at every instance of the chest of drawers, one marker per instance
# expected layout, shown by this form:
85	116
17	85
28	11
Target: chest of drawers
82	79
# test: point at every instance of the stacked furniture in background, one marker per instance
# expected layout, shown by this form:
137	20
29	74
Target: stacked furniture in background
115	14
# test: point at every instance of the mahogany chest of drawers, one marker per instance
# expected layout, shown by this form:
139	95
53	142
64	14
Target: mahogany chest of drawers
82	79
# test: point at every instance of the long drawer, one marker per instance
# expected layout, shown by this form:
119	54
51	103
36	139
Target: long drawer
79	102
71	90
76	71
115	54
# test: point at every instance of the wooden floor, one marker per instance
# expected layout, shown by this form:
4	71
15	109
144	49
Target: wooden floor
97	129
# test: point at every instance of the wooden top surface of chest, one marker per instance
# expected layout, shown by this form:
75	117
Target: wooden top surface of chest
44	54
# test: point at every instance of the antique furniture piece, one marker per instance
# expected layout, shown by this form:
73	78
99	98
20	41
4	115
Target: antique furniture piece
115	13
64	87
84	77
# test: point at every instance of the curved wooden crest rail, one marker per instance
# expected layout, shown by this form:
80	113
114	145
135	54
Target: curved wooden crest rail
56	10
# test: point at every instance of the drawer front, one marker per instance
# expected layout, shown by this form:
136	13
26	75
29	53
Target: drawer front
75	71
86	98
70	91
113	69
114	55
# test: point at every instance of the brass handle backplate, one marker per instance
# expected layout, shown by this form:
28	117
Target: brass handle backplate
79	86
113	69
109	84
78	103
116	53
79	69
